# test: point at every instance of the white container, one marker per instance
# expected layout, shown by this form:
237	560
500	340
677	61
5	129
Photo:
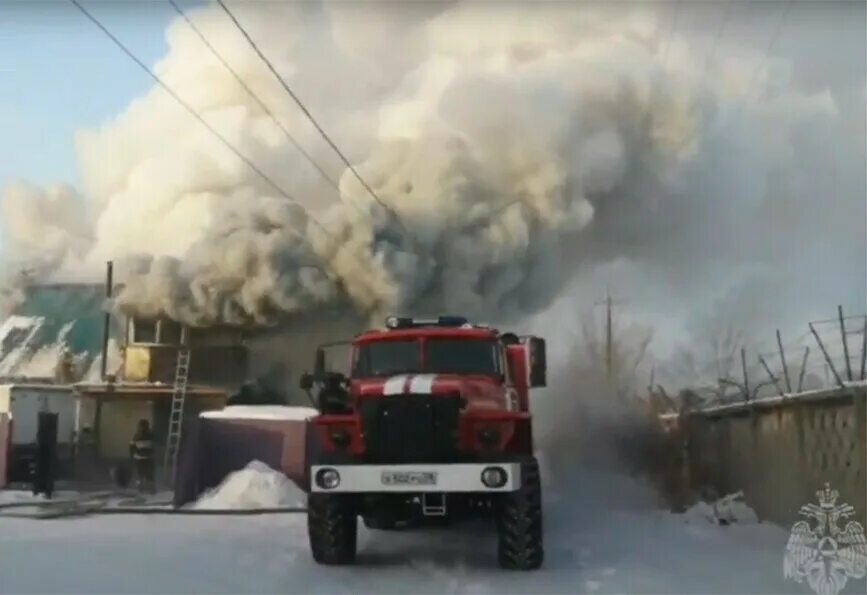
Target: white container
23	402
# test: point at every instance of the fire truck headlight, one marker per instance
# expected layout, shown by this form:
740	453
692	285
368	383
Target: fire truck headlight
494	477
327	479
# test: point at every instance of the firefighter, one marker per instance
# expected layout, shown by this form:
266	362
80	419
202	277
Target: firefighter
141	450
333	398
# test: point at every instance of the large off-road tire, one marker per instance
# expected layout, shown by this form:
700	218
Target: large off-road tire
519	522
332	527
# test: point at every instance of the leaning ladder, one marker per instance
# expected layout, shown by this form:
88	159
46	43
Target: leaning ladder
176	414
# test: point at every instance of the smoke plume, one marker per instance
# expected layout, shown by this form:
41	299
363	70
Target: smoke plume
511	148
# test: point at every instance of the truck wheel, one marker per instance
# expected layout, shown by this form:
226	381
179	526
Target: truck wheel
332	527
519	522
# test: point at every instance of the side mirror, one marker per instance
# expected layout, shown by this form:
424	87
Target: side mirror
306	381
319	363
537	362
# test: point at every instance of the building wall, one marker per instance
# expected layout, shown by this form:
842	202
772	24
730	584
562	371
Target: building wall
4	447
781	454
23	402
209	365
118	421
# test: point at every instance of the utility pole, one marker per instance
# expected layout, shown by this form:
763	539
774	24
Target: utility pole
609	340
609	334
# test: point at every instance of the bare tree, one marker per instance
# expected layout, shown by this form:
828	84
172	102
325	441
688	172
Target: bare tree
712	355
629	349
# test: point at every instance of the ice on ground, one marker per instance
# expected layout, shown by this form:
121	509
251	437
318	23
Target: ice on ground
727	510
273	412
255	486
22	496
590	528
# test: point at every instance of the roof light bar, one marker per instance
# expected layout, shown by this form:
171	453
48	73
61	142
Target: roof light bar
398	322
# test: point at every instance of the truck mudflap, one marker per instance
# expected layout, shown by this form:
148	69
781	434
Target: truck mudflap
416	478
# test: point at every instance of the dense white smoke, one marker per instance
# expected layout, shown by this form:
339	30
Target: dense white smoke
513	146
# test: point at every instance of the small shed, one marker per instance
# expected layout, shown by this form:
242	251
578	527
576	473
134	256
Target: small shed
20	405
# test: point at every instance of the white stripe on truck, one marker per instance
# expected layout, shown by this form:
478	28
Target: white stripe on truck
422	384
394	385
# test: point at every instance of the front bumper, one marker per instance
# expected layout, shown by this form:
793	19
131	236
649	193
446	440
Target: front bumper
447	478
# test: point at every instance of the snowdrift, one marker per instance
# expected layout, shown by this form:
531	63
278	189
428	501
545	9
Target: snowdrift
728	510
255	486
227	441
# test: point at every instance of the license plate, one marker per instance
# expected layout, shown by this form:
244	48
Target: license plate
414	478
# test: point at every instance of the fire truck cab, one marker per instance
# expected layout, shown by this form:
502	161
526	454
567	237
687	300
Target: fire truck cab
430	424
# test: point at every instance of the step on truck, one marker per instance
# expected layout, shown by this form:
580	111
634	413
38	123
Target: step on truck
428	424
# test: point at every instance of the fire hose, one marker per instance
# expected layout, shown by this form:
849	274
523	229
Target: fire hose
98	504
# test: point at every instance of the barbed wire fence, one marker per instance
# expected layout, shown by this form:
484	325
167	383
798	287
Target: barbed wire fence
830	353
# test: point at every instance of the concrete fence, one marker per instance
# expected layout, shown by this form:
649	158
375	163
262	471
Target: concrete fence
779	451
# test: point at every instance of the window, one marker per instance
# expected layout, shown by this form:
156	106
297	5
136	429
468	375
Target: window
443	356
170	332
462	356
387	358
144	331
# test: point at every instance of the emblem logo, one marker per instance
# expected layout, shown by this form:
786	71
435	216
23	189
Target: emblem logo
823	554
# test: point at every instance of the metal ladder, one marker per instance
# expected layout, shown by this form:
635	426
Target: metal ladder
176	414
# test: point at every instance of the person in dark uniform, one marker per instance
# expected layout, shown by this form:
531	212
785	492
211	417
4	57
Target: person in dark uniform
141	449
333	398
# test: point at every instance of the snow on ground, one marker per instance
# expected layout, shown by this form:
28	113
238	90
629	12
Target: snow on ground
21	496
728	510
255	486
603	535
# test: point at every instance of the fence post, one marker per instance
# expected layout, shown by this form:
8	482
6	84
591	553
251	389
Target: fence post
783	358
827	357
845	343
803	369
771	375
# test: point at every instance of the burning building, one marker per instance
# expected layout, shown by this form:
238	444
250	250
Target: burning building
111	370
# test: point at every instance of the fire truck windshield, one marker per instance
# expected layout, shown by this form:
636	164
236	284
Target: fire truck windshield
443	356
459	356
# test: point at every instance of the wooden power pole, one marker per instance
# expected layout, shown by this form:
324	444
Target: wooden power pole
609	334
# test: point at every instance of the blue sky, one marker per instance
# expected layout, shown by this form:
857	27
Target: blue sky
59	73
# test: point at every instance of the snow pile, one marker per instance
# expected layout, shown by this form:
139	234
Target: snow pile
728	510
272	412
255	486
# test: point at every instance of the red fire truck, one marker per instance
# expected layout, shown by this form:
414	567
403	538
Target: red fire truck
431	424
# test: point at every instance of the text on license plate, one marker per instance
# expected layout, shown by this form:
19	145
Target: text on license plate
417	478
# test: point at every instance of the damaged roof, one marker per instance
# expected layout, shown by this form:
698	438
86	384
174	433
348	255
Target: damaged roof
51	319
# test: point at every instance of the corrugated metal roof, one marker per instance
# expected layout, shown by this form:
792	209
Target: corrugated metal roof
51	319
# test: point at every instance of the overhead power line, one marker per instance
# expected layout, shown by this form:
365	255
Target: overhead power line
671	32
196	115
304	109
727	11
253	95
775	35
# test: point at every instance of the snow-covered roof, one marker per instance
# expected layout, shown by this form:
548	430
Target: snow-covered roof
273	412
51	319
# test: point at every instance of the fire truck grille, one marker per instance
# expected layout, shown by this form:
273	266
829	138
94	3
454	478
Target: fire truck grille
411	428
